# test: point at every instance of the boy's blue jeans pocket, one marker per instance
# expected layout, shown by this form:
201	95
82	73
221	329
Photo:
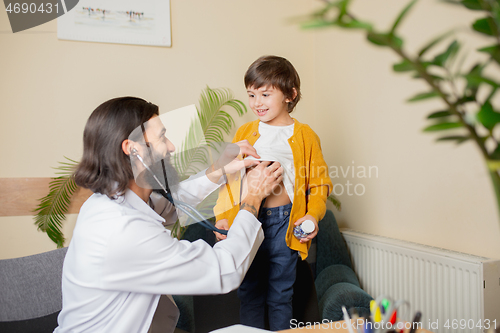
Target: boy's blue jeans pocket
275	220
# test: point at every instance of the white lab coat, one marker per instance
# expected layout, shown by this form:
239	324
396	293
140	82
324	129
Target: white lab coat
121	259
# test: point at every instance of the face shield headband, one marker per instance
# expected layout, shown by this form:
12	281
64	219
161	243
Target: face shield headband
169	153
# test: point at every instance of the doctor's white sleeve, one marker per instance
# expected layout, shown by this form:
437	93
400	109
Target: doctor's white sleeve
191	191
148	260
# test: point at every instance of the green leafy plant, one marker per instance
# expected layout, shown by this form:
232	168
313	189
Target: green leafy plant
460	89
335	201
215	122
52	209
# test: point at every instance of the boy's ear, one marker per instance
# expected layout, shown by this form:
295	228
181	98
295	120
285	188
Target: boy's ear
288	100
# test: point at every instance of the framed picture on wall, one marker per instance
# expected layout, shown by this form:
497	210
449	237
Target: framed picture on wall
139	22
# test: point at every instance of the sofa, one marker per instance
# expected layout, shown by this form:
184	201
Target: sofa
30	292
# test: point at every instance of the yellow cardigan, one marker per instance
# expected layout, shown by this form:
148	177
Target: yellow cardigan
312	183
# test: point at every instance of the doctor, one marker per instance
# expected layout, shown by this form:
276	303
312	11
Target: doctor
121	258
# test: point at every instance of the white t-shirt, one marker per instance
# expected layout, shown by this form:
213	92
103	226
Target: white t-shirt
272	145
121	259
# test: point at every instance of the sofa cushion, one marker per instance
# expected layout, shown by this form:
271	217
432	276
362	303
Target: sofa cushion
331	248
332	275
44	324
343	294
31	286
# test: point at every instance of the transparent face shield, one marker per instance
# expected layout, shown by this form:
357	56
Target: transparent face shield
169	153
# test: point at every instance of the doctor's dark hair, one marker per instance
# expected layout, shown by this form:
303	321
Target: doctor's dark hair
104	167
276	72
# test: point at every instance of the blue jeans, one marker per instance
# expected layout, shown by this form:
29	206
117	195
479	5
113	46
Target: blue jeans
271	276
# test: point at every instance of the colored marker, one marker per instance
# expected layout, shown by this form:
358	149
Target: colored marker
385	305
373	306
347	319
394	315
368	325
416	319
378	315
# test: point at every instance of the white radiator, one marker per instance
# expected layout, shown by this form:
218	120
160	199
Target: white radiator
456	292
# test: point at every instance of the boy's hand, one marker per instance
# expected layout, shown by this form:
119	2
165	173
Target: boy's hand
312	234
221	224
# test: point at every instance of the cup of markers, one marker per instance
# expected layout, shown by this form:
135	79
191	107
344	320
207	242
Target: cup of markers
385	317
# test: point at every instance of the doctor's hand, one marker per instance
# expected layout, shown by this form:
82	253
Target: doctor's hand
259	183
232	160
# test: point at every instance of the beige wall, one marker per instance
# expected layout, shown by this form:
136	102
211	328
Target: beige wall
425	192
432	193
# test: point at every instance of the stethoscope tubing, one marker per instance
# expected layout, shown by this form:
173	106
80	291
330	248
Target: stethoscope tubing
180	204
201	218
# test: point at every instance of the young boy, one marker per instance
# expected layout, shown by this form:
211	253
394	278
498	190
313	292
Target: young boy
273	88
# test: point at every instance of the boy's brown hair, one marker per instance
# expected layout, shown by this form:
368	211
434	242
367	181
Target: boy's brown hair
276	72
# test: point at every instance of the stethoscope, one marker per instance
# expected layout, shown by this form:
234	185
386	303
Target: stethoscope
165	192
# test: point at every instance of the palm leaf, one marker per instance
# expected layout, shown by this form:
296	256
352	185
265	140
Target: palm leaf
333	199
215	123
52	209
